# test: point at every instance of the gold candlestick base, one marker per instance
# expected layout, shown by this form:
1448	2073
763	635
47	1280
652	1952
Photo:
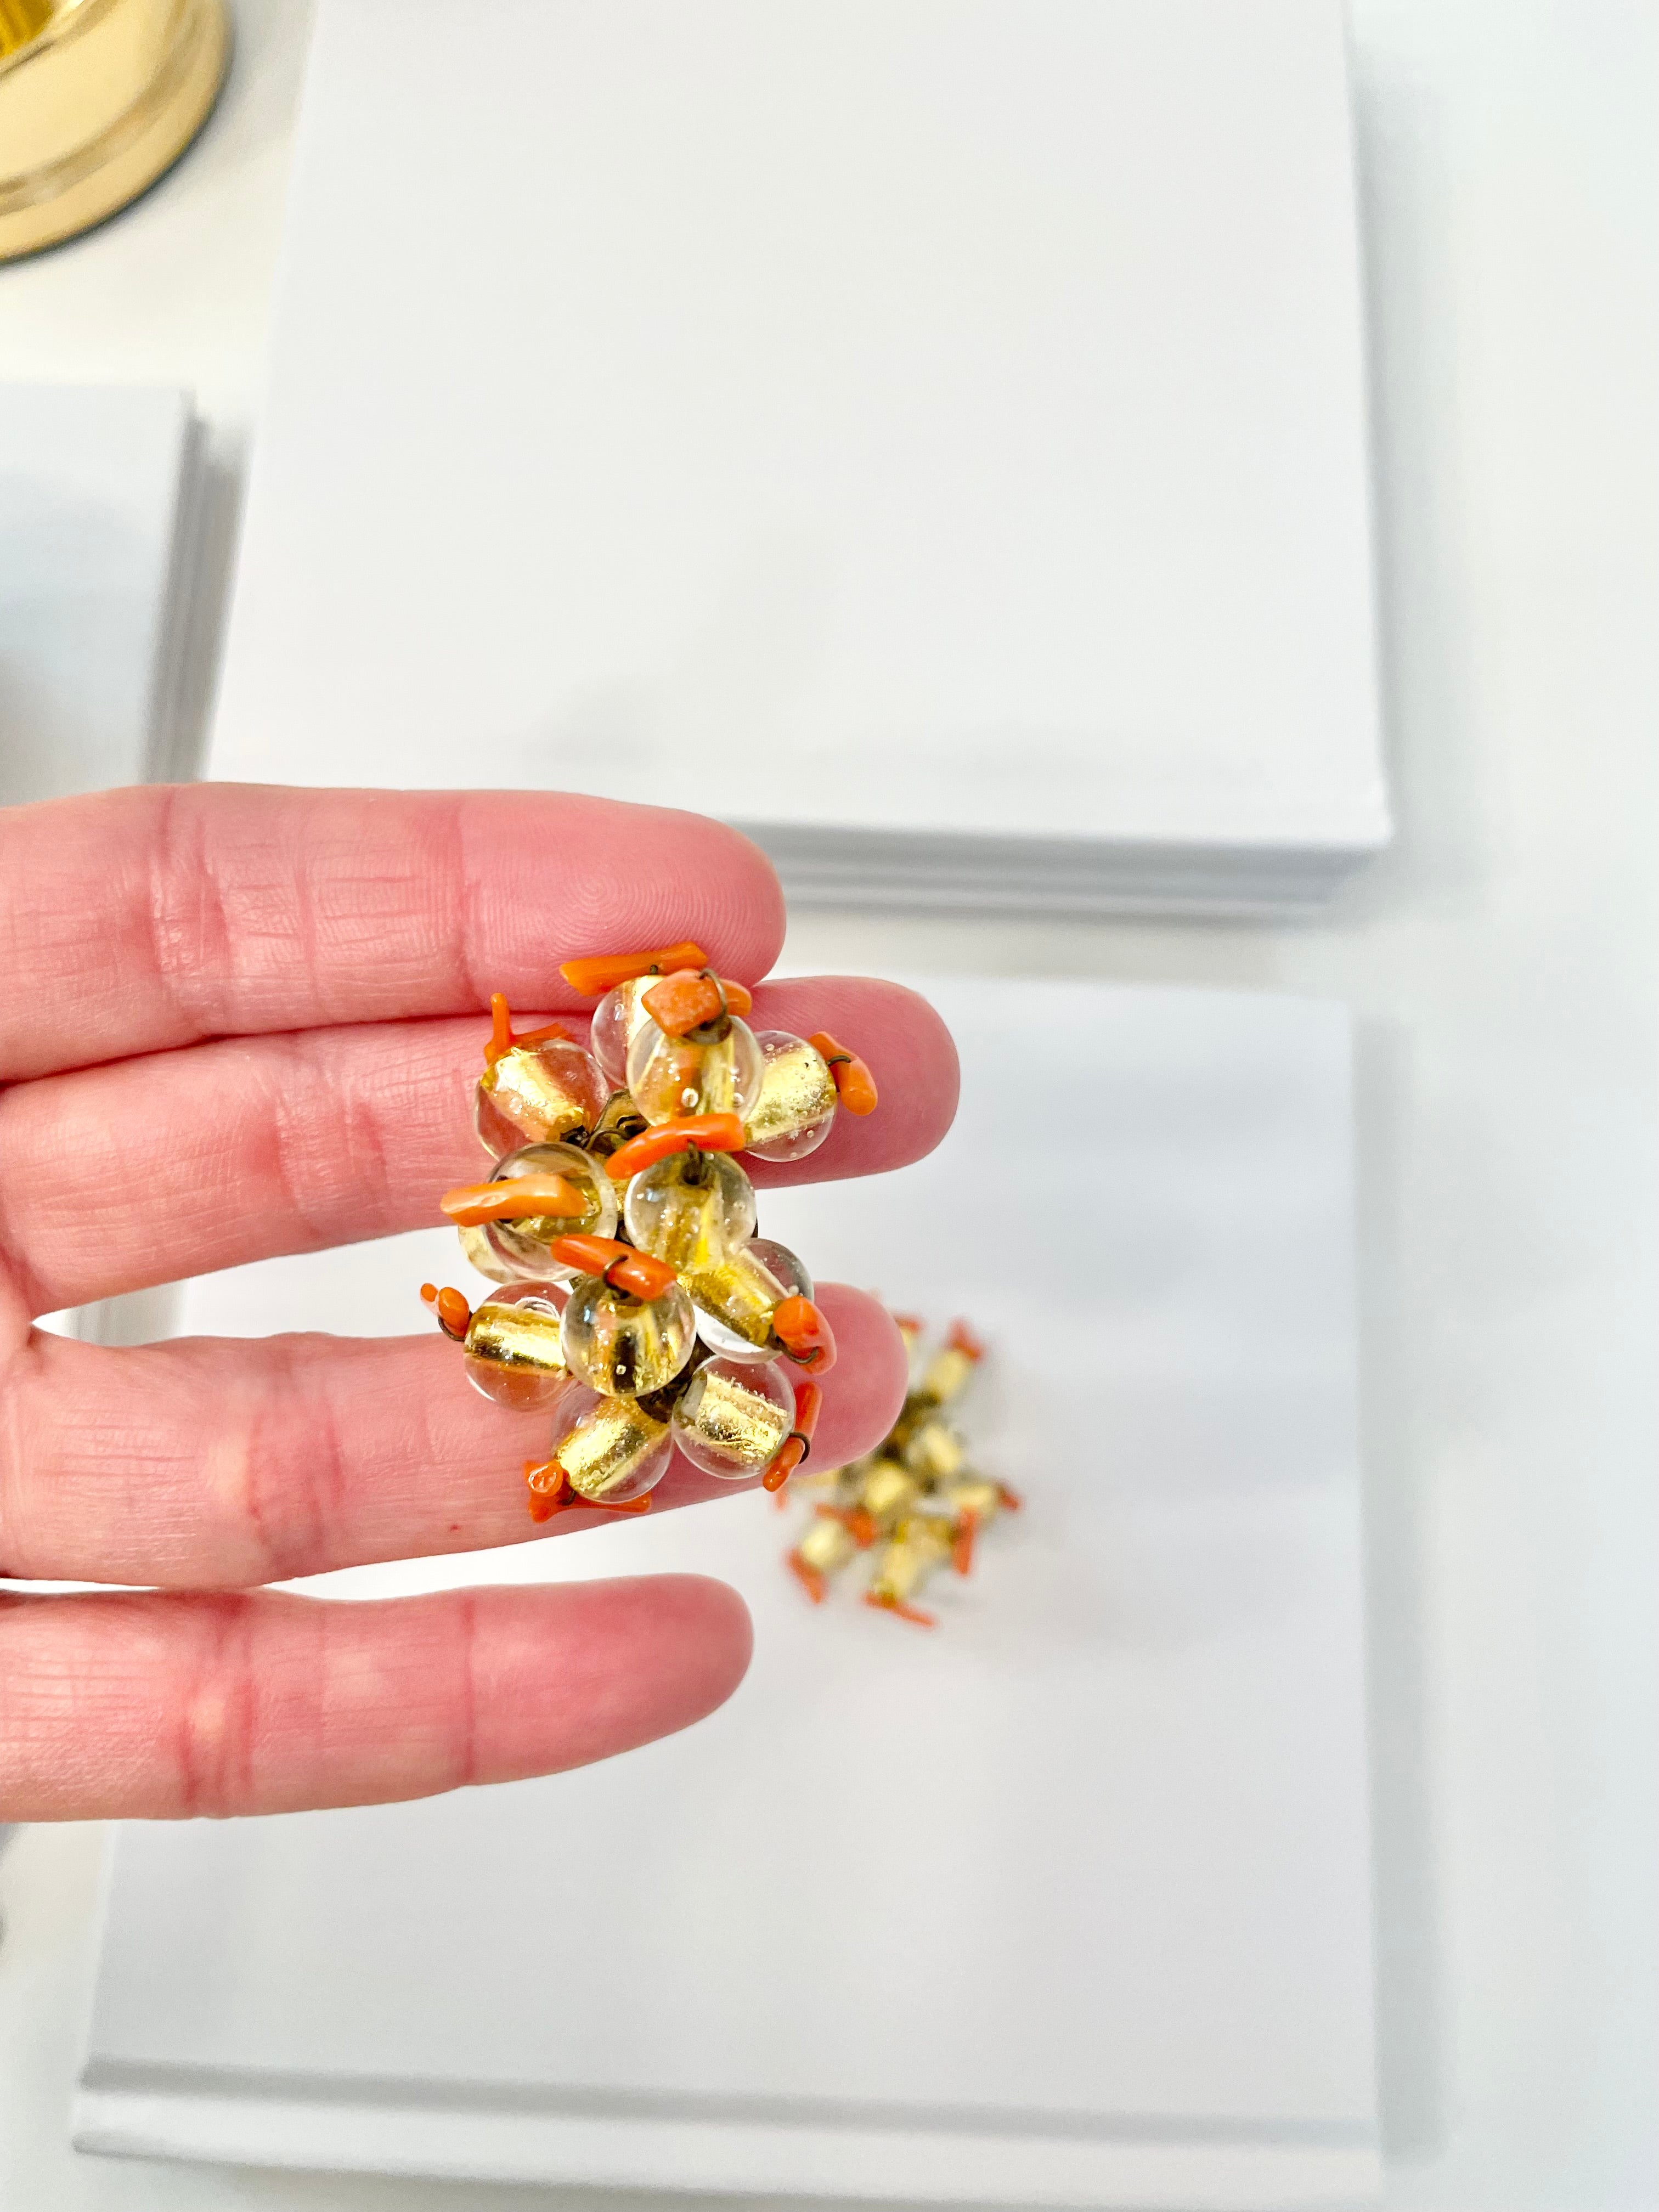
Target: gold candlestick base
97	98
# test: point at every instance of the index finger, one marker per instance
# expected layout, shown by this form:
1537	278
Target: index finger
134	920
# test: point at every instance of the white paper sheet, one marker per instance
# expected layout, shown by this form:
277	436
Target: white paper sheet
1066	1902
95	491
934	435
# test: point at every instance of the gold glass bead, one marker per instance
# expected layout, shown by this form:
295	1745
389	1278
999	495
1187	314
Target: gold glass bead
732	1418
617	1344
934	1450
694	1209
512	1347
524	1245
827	1543
536	1095
796	1104
972	1493
888	1491
947	1375
671	1077
735	1301
918	1547
608	1449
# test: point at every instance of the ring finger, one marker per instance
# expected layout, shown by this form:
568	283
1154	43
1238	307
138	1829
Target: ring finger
211	1463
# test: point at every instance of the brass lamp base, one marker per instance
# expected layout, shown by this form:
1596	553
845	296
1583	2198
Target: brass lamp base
97	98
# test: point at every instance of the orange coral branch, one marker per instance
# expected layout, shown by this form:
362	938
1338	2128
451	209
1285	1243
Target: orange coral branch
961	1547
690	999
622	1267
809	1399
791	1452
710	1132
472	1203
594	977
854	1085
804	1334
911	1613
811	1578
502	1038
454	1313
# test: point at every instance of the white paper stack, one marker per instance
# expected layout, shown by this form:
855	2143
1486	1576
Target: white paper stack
1066	1902
97	486
933	436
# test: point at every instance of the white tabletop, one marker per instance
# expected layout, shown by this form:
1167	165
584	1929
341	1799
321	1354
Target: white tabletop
1501	966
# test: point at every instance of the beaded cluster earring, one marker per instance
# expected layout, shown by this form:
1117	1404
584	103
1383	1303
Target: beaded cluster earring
914	1504
635	1302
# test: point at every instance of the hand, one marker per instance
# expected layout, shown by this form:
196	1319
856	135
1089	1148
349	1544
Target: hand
240	1021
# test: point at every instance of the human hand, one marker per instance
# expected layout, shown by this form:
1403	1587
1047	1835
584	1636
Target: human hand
240	1021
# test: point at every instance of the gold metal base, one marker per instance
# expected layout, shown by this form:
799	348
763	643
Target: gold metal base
97	98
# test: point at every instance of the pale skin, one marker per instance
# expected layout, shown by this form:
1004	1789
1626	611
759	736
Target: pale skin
242	1020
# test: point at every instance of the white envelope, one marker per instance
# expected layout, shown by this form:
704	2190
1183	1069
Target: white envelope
932	435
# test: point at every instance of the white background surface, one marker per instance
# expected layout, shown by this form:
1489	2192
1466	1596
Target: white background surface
1501	964
1076	1892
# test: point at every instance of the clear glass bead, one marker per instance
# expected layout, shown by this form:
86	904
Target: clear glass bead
536	1095
610	1449
623	1346
826	1545
732	1418
693	1209
673	1076
735	1301
479	1252
617	1018
782	1264
919	1546
796	1106
513	1353
524	1246
934	1450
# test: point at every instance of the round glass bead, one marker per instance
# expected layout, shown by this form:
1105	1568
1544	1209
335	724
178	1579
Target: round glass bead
626	1346
479	1252
934	1450
736	1299
782	1264
513	1351
609	1449
616	1019
537	1094
732	1418
827	1545
524	1246
692	1209
796	1108
673	1076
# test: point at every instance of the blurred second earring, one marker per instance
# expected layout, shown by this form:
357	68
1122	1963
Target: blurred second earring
913	1505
